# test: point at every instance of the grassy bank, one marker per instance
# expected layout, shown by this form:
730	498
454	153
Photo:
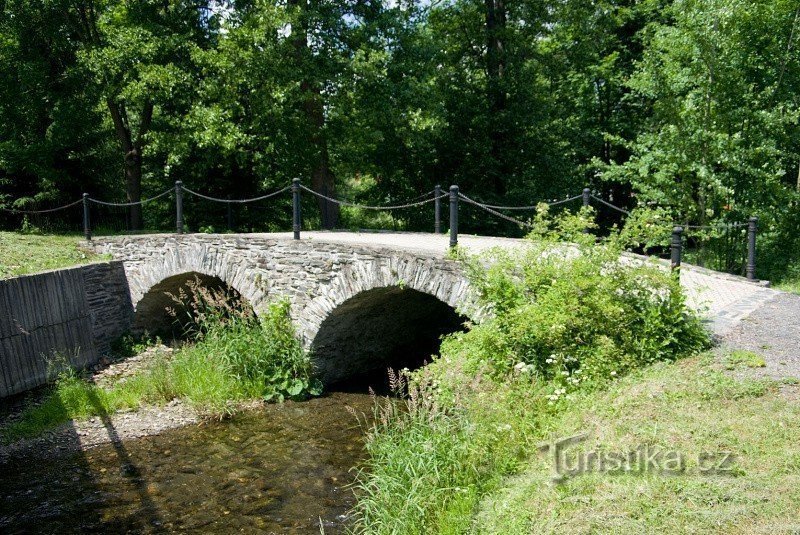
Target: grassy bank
480	469
233	357
789	284
578	342
687	407
29	253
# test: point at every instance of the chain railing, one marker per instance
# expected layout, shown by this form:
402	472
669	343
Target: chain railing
435	196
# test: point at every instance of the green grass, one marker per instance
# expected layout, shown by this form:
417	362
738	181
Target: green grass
479	469
687	407
788	278
788	285
29	253
749	359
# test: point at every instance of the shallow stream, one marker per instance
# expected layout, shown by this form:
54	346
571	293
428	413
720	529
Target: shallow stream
280	469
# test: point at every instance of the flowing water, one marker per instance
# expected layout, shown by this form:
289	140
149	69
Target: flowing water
281	469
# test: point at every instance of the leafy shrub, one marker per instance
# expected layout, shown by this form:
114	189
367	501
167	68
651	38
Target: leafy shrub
577	313
263	354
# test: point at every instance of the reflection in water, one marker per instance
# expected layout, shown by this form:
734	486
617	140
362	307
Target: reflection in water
280	469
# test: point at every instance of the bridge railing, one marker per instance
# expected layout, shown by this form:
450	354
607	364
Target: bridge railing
736	241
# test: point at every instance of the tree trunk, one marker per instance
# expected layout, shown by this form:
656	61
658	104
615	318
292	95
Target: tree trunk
322	178
133	187
132	149
496	19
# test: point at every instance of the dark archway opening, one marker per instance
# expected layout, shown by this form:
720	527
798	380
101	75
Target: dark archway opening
378	329
160	314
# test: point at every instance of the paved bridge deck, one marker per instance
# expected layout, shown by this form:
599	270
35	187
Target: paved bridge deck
722	298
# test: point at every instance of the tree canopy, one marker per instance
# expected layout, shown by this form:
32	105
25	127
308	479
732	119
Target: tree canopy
689	105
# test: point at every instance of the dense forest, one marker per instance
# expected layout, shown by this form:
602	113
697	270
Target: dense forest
690	107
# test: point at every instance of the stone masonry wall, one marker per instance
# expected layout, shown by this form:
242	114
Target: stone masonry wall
316	276
71	313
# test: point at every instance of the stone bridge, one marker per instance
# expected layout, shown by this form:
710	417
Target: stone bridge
351	299
354	295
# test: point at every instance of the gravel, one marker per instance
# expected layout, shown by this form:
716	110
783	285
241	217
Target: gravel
773	332
75	436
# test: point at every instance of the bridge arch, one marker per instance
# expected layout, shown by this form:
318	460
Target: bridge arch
165	310
172	268
384	327
385	312
174	260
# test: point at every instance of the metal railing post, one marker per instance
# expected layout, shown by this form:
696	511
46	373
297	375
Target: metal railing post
453	216
229	210
752	228
296	208
87	229
437	209
677	248
179	207
587	194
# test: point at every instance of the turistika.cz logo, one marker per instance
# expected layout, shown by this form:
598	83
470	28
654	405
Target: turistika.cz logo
647	458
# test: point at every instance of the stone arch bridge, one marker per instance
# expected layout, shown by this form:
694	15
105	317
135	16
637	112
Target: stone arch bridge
354	295
351	299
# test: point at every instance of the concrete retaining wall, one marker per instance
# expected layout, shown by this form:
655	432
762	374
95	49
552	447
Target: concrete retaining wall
73	313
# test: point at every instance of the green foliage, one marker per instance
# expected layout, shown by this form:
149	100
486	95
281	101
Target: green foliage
647	228
129	345
577	313
740	357
72	397
567	319
428	465
21	254
262	354
718	74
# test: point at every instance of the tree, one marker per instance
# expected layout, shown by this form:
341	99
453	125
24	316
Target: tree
136	54
722	139
48	147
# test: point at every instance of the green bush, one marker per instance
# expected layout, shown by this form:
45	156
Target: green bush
263	355
576	313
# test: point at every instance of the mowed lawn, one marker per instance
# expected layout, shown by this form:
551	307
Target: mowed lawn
692	407
30	253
